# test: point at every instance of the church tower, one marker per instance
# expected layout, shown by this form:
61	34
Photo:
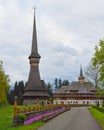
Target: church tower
35	91
81	77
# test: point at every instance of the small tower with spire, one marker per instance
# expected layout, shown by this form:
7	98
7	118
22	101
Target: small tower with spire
35	90
81	77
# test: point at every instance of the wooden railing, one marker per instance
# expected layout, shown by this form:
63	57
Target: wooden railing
18	110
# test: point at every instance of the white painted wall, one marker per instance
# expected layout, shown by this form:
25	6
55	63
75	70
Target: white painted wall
77	101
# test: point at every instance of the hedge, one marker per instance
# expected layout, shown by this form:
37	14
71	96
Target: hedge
101	109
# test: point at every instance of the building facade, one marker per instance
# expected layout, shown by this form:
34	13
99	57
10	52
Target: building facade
78	92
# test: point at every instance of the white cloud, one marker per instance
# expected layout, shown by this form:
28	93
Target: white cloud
67	32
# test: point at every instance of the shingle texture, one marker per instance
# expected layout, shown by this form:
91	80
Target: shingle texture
35	87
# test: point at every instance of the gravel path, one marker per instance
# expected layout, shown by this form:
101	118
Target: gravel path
76	119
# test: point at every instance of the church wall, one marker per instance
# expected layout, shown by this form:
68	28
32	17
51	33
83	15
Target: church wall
77	101
34	102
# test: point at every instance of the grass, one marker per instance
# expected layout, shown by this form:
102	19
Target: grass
99	116
6	114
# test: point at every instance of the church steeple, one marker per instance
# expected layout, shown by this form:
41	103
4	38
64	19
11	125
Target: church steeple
34	90
34	48
81	77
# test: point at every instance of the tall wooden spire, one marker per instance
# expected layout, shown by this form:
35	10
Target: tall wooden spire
34	48
34	89
81	77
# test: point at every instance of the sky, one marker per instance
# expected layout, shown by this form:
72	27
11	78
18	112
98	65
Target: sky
67	32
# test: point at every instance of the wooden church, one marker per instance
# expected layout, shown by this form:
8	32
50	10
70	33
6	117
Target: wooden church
78	92
35	92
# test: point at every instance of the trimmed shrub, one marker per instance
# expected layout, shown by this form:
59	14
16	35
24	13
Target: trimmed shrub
101	109
21	119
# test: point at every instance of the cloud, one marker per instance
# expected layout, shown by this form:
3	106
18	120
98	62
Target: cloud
67	32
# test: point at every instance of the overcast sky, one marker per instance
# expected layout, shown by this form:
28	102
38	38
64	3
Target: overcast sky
67	31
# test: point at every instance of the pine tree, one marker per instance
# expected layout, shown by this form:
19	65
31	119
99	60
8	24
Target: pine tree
56	83
60	83
18	91
65	82
21	90
50	89
11	97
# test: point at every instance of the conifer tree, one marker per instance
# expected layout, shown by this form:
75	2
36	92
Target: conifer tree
18	91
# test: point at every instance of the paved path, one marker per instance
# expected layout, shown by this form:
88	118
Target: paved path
76	119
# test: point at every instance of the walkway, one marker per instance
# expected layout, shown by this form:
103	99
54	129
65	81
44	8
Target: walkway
76	119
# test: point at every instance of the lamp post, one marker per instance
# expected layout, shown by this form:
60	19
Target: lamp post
15	105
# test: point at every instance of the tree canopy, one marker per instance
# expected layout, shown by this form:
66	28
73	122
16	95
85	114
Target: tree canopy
18	90
98	59
59	82
4	84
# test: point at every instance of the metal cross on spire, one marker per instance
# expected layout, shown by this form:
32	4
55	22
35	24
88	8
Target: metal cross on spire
34	8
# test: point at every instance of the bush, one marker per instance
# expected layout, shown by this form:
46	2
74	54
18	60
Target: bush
101	109
21	119
103	104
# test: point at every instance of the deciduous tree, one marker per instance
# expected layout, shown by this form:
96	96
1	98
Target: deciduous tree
92	73
4	84
98	59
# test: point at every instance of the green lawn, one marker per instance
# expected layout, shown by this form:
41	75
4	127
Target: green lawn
99	116
6	113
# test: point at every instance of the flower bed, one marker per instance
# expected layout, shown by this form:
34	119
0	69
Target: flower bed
44	115
46	118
